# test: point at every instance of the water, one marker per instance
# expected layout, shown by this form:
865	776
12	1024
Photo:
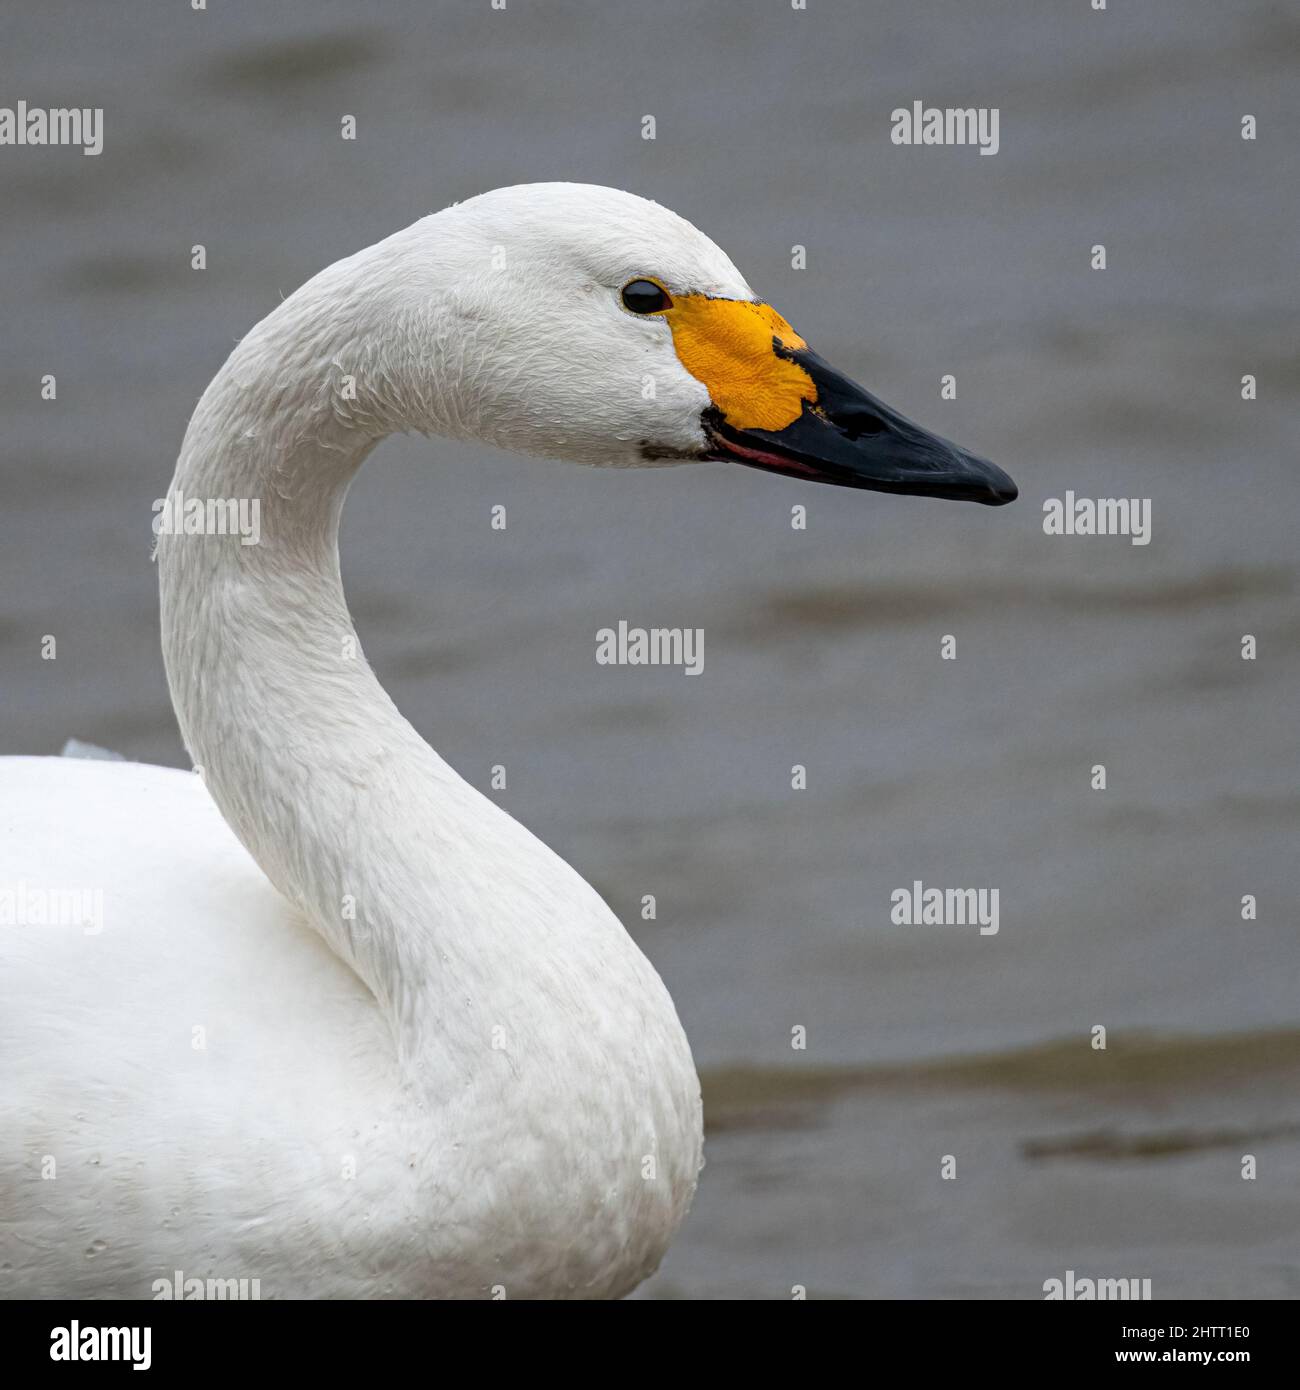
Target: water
1118	908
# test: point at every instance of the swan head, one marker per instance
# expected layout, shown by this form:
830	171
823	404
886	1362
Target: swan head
587	323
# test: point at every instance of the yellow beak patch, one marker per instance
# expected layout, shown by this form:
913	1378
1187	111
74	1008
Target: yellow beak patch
729	346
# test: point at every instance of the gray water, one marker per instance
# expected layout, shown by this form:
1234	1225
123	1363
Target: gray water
1119	907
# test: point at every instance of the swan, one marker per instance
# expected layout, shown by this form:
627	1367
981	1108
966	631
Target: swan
323	1016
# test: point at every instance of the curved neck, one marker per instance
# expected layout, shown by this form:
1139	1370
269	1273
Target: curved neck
535	1044
336	796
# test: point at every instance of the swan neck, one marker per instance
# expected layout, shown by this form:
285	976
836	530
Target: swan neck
304	753
535	1044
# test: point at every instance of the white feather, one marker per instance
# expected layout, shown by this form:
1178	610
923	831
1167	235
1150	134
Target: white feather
432	1063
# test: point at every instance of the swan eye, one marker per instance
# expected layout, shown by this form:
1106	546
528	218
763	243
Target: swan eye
645	297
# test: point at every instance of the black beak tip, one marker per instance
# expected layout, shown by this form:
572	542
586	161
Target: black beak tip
1001	491
998	487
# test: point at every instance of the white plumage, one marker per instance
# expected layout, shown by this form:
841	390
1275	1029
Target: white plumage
433	1063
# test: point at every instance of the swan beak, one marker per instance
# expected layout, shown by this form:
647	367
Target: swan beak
846	436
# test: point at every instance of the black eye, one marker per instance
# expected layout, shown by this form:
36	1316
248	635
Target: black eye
645	297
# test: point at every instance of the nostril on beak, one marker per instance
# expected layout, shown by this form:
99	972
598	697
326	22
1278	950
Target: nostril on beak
856	421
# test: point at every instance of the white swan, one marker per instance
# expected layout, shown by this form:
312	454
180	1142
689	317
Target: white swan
434	1063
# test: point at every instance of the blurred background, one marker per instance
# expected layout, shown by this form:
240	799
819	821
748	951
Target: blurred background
1119	908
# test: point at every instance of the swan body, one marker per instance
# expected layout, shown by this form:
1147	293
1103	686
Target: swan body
346	1028
221	1095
